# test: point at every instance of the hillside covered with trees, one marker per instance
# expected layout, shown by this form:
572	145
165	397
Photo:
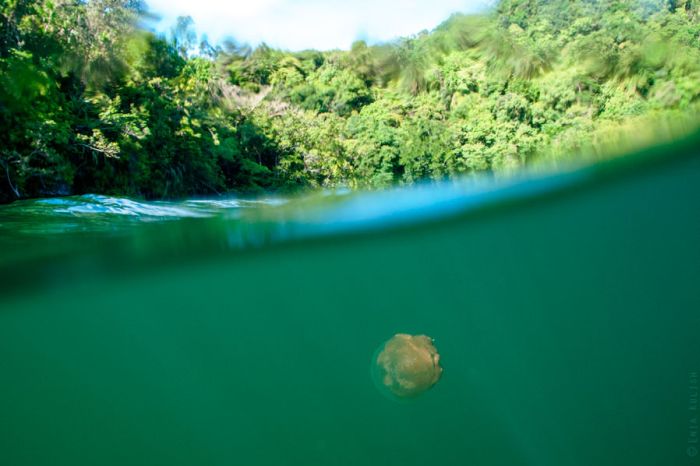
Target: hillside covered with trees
92	102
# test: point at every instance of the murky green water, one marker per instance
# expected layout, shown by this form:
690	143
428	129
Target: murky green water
566	310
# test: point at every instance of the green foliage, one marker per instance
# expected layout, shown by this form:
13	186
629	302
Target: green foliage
91	103
328	89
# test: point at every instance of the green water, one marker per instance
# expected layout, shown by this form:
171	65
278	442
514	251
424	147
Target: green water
566	309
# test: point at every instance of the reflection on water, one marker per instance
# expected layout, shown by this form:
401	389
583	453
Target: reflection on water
273	218
111	230
96	213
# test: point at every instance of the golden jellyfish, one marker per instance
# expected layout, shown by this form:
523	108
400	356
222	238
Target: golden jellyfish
406	366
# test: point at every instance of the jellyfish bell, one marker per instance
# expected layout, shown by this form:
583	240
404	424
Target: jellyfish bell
406	366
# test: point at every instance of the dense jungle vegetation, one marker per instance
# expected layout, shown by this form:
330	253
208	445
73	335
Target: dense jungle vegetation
91	101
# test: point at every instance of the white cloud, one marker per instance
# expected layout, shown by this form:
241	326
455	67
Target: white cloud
302	24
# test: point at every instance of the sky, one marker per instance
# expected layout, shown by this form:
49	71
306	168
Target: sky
304	24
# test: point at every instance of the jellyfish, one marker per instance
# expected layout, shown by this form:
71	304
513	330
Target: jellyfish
406	366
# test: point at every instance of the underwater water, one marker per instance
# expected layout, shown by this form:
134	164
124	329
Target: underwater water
565	308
